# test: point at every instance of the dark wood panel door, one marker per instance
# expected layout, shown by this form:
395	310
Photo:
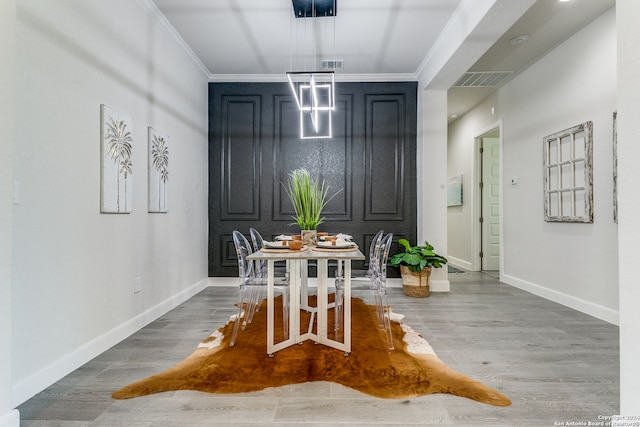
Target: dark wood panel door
254	143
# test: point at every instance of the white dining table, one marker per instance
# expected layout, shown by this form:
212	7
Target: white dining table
297	262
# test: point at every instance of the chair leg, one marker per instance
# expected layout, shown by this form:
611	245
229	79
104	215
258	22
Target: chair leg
252	305
387	321
379	307
377	296
239	316
262	294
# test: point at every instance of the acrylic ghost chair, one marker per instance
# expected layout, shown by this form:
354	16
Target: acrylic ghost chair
363	275
367	275
373	247
258	243
251	283
376	284
261	268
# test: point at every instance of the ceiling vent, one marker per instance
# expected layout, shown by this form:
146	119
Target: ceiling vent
332	64
482	79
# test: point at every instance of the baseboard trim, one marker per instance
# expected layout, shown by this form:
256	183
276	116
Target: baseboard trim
439	286
394	283
35	383
459	263
587	307
10	419
223	281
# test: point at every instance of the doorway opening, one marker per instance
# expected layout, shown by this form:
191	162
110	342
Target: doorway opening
488	205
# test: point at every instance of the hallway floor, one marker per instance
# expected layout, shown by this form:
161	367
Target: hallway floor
554	363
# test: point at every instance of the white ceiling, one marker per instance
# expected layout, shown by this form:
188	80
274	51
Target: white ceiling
259	40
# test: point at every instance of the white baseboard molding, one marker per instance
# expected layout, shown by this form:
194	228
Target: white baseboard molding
223	281
587	307
439	285
35	383
394	283
435	285
459	263
10	419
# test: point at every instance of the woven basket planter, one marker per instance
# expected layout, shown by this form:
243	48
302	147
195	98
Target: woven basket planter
415	284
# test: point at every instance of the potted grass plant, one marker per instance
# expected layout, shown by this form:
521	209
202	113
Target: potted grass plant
415	265
309	197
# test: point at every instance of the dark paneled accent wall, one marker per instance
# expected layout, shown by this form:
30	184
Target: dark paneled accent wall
254	142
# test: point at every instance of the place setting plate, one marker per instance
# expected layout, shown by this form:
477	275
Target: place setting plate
338	236
338	242
279	247
337	245
275	245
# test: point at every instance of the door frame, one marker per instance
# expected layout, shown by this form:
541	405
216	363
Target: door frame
477	196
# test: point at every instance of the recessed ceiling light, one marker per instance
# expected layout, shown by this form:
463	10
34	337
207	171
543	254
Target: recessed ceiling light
518	40
564	1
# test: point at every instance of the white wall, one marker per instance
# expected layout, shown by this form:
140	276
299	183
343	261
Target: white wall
74	267
431	176
575	83
8	416
628	16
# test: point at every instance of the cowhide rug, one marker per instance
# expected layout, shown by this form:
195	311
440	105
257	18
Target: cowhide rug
412	369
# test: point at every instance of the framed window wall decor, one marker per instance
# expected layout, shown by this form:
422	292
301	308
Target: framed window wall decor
568	175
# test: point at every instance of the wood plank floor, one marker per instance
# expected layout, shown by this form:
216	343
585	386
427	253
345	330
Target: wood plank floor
554	363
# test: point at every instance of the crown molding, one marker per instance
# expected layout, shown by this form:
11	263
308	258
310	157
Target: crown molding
249	78
164	23
267	78
452	26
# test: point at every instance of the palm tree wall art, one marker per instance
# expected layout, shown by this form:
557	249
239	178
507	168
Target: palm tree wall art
158	171
116	161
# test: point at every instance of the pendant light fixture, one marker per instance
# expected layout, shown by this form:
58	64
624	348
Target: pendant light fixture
313	91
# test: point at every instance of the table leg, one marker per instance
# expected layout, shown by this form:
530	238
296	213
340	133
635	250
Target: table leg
323	299
294	307
294	300
298	300
270	309
304	289
347	307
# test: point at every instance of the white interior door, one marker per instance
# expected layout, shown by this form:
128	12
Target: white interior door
490	203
